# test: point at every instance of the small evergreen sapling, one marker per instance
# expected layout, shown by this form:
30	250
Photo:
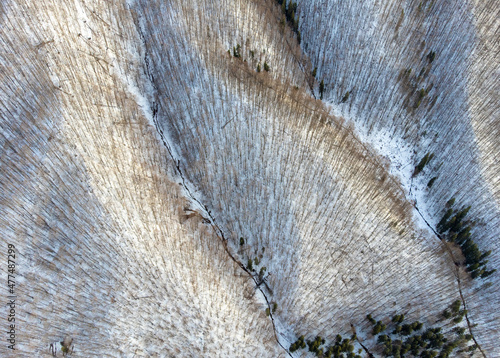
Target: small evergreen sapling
321	89
431	56
346	97
423	162
431	182
236	51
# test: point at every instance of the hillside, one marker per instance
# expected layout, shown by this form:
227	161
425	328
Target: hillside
175	187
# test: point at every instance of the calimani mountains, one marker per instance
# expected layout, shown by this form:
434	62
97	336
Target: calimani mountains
250	178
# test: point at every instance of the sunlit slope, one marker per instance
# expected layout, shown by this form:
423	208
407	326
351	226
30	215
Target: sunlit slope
332	228
106	253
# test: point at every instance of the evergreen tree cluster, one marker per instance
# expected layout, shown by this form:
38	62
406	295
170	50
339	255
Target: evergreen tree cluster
453	228
420	93
423	162
407	329
236	51
399	318
378	327
298	344
255	261
405	341
289	12
237	54
314	345
454	311
342	348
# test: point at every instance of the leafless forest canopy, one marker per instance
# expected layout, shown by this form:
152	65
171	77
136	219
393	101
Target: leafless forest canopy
201	179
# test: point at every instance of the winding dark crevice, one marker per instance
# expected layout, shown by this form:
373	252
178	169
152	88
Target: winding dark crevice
361	344
365	349
457	275
218	231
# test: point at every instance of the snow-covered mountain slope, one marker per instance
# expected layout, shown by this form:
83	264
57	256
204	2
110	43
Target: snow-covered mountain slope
368	48
456	119
146	161
273	173
108	253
